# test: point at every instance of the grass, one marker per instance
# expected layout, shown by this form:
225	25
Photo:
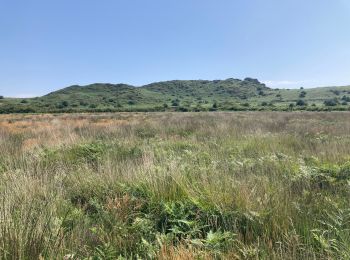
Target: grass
182	96
267	185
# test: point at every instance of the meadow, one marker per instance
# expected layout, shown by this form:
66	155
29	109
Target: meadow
220	185
182	96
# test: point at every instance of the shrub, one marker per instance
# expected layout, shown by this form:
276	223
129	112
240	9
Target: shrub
330	102
302	94
301	102
182	109
175	102
335	92
346	98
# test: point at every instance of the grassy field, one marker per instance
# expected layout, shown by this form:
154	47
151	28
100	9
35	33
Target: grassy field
245	185
182	96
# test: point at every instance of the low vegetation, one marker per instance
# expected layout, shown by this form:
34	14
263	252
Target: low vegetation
175	186
183	96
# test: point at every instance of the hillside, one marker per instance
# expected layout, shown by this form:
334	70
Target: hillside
181	95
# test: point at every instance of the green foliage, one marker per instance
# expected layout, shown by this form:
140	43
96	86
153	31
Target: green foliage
177	95
333	235
301	102
302	94
346	98
331	102
175	102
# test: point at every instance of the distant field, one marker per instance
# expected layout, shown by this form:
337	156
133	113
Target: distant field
243	185
182	96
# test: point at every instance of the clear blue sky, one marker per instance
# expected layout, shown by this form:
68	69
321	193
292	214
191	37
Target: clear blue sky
49	44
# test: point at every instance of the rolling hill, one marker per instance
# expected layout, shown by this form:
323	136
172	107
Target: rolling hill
181	95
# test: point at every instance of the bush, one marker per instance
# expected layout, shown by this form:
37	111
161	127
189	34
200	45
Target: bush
330	102
336	92
301	102
345	98
175	103
182	109
302	94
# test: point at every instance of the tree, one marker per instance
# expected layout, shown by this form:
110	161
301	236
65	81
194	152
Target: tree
1	97
175	103
345	98
301	102
302	94
330	102
335	92
291	106
261	93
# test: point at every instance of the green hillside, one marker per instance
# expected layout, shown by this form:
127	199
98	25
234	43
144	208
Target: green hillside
181	95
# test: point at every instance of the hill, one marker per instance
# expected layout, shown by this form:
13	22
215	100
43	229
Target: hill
181	95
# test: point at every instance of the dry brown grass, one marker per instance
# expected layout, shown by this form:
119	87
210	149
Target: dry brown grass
113	185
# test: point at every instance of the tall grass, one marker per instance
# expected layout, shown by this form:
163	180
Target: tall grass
175	186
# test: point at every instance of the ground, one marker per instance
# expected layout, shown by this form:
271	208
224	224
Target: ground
229	185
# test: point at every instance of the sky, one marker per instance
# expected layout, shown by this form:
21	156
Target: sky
47	45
